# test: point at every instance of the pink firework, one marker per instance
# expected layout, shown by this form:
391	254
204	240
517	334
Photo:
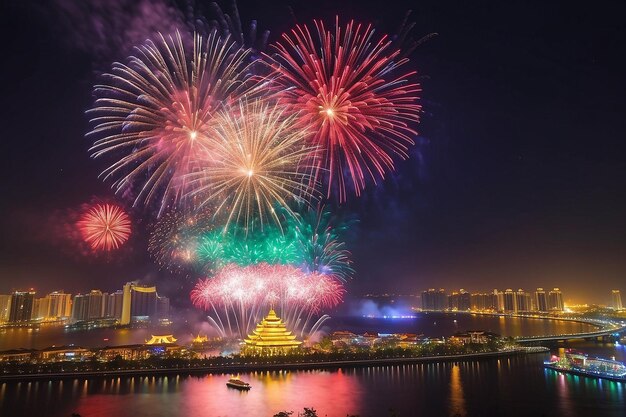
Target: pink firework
104	227
154	113
346	87
238	297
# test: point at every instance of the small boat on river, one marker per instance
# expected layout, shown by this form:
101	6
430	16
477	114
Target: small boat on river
237	383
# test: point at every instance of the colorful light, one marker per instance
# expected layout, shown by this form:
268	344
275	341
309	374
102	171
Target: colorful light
152	113
104	227
236	298
256	159
346	88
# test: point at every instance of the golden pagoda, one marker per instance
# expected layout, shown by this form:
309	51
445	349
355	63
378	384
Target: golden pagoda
271	337
161	340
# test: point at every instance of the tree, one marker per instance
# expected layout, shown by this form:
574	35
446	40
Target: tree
309	412
283	414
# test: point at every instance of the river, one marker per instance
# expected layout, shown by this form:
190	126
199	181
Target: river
513	386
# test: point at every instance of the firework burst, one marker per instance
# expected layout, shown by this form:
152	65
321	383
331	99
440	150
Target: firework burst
104	227
238	297
153	113
173	241
344	83
257	160
319	245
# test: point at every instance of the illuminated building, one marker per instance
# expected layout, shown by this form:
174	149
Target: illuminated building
115	302
60	305
41	308
523	300
555	300
616	300
510	301
460	301
484	301
139	302
95	304
5	307
271	337
21	306
161	340
434	300
64	353
200	339
499	300
80	307
541	300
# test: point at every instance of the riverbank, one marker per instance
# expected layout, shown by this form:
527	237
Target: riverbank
253	366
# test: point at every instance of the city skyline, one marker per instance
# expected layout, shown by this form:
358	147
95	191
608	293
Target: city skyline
485	199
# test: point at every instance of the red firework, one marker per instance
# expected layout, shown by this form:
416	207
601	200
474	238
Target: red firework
346	88
104	227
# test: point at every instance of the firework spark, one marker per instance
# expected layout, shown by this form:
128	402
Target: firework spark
104	227
153	113
343	83
257	161
238	297
319	245
174	240
270	245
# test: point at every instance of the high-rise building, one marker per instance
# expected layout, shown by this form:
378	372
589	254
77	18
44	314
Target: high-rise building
460	301
163	307
522	299
510	301
616	300
5	307
555	300
96	304
499	299
80	307
138	301
434	300
41	308
541	300
21	306
60	305
115	302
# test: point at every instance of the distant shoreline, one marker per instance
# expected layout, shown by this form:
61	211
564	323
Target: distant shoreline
590	322
212	369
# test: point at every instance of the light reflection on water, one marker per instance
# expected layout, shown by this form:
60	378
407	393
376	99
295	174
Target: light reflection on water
516	386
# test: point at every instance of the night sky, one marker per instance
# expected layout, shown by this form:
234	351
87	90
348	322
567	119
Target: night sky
518	178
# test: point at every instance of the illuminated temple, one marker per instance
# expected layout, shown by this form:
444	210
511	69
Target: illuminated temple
161	340
271	337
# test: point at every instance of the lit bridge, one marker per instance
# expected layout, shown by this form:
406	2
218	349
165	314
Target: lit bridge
600	333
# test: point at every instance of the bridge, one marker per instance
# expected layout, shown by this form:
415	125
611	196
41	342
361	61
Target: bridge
603	332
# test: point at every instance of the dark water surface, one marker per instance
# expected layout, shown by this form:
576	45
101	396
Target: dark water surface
515	386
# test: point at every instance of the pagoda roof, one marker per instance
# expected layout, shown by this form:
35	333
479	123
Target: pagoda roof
272	332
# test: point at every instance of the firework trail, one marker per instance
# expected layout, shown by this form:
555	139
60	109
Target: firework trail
319	245
155	113
358	110
104	227
257	160
237	298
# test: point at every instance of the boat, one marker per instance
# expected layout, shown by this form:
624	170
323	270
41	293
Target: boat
237	383
578	363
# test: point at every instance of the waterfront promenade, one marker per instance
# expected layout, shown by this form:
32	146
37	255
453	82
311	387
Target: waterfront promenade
253	365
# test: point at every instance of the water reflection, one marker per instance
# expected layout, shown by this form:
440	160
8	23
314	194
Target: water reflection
457	398
518	386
